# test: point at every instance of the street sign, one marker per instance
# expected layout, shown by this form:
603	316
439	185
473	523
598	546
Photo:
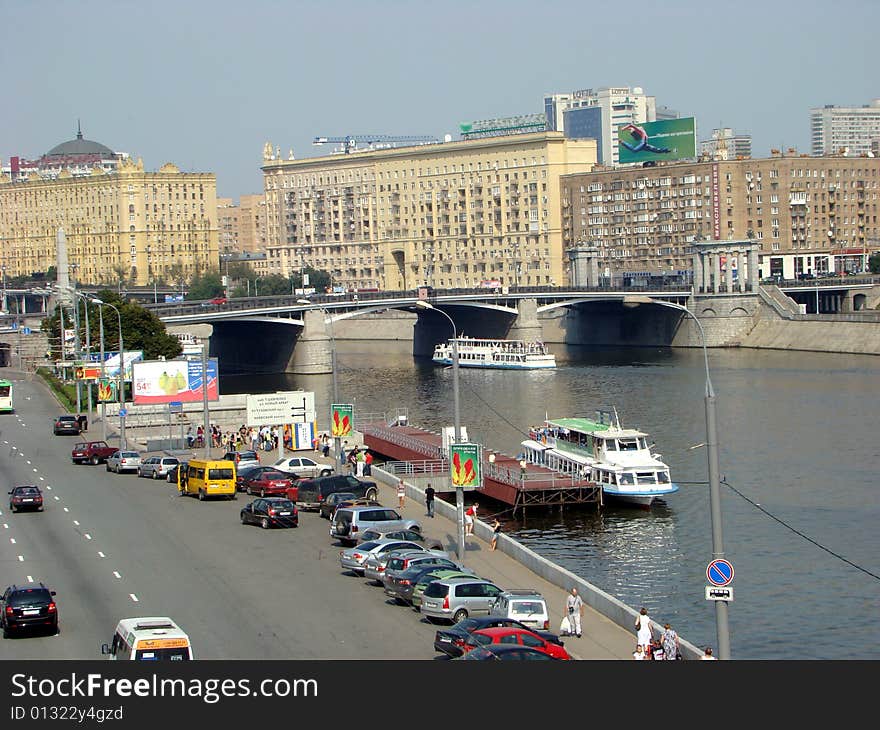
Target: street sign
175	406
719	593
297	406
123	412
719	572
25	330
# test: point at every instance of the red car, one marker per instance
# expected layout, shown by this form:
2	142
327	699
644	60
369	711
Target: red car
512	635
25	497
218	300
264	480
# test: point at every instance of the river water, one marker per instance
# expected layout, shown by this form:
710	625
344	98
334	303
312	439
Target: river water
797	436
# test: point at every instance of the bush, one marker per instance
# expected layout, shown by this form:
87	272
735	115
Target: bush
66	392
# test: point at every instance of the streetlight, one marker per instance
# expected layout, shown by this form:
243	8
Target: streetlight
101	304
459	491
86	299
721	627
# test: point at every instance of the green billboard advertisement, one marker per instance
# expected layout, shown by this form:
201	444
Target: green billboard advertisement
465	466
668	139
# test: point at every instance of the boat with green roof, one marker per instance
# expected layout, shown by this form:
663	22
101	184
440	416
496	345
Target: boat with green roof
617	459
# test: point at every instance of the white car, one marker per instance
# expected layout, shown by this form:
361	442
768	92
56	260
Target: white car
303	466
121	461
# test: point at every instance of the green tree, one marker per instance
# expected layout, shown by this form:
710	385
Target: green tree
274	285
205	286
874	263
318	280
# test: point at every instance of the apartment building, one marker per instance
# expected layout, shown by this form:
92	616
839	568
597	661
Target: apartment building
809	214
228	227
837	128
122	225
724	144
452	214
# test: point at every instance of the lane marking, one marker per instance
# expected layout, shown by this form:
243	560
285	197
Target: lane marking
35	468
66	510
12	540
30	579
76	522
29	462
42	479
5	526
47	486
134	597
100	554
117	574
87	536
21	558
56	498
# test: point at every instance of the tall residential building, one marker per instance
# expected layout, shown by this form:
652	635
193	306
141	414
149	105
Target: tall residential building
228	226
837	128
808	214
725	145
598	114
252	223
449	215
121	225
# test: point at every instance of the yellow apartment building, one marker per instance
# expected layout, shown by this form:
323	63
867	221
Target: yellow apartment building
452	214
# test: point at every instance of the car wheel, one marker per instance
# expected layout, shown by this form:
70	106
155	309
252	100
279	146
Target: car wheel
107	467
372	494
264	523
155	475
459	615
243	518
325	472
201	495
95	461
262	492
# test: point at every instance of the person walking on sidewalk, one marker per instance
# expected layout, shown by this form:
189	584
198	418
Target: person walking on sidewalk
429	499
574	609
469	516
496	531
643	628
401	493
670	642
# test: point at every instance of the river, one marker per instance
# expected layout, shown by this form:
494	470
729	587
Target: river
797	436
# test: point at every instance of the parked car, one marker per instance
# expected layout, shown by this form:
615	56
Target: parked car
157	467
504	652
428	578
399	584
120	461
450	639
242	458
171	477
303	466
92	452
328	506
375	565
454	599
241	472
30	606
67	425
270	512
266	480
511	635
525	605
25	497
353	559
313	492
378	533
348	522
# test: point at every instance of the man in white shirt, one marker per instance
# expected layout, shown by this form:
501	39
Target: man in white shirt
574	608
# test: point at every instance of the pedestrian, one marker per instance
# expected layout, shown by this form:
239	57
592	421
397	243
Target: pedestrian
643	628
639	653
429	499
708	655
657	653
574	609
401	493
352	460
496	531
343	453
325	449
670	642
368	463
360	463
189	436
469	516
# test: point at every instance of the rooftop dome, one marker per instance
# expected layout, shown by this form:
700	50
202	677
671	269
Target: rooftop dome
80	146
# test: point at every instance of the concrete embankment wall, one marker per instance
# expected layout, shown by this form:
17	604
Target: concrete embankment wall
606	604
815	335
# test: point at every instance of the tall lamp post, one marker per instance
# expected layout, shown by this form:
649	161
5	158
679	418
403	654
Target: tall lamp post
86	299
721	626
459	491
101	304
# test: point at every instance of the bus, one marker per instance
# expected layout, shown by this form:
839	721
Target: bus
6	396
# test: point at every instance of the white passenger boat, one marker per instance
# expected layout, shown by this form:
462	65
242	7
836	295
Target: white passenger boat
618	459
503	354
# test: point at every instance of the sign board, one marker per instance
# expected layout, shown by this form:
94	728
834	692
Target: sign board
341	419
25	330
175	407
719	593
107	390
465	466
665	139
167	381
303	435
87	372
719	572
123	412
297	406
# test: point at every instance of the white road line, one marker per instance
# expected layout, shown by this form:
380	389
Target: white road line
5	442
56	498
35	468
117	574
66	510
42	479
5	526
12	540
134	597
47	486
29	462
76	522
87	536
100	554
21	558
30	579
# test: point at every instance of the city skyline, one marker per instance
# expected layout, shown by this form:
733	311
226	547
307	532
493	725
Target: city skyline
143	80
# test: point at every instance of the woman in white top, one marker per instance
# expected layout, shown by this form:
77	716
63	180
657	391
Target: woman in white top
643	628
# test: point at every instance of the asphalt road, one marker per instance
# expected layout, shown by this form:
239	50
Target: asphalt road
117	546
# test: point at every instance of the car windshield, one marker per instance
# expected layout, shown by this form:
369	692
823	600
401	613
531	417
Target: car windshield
526	607
130	454
224	473
273	475
365	546
282	504
479	639
29	597
27	490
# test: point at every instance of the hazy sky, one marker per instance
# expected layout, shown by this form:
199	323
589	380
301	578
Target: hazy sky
206	84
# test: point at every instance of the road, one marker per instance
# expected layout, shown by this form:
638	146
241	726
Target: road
116	546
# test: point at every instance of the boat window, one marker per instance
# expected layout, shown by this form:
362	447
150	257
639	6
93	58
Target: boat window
627	478
629	445
646	477
663	477
643	443
610	444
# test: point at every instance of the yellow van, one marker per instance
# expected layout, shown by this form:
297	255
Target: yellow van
207	478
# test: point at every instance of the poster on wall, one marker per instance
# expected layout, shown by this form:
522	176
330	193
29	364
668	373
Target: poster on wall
667	139
167	381
341	419
465	470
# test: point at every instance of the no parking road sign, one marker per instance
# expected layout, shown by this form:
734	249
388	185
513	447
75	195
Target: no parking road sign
719	572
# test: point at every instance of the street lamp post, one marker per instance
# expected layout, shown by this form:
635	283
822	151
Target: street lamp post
88	343
99	302
721	626
459	491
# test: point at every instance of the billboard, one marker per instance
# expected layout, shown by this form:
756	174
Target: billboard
281	407
341	419
167	381
465	467
668	139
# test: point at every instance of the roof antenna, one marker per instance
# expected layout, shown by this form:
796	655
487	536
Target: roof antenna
79	134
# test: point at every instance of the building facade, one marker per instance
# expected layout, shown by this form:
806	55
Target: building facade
837	128
126	225
242	225
809	215
228	227
725	145
599	113
447	215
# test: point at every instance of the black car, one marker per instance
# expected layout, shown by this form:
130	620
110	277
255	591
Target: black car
270	512
25	497
451	640
313	492
30	606
505	652
400	585
171	476
67	425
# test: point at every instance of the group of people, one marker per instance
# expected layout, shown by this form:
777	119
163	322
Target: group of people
265	438
648	646
360	461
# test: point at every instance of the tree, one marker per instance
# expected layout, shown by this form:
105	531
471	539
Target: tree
206	286
274	284
874	263
318	280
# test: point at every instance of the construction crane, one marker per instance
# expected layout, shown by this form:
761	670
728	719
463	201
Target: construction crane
350	143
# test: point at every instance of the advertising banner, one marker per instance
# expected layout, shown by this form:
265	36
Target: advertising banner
86	372
107	390
668	139
167	381
341	419
464	466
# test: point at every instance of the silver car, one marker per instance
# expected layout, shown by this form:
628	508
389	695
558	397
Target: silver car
353	558
375	565
120	461
303	466
455	599
157	467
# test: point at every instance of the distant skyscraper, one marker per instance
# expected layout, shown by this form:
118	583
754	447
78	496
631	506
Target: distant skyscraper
725	145
573	113
834	128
